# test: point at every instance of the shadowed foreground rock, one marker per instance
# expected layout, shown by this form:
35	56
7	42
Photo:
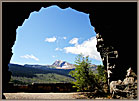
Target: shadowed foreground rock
126	89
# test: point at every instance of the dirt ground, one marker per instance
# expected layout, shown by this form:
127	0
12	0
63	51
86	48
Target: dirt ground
40	96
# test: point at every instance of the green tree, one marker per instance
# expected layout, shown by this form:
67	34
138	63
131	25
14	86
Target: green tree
101	78
101	75
85	79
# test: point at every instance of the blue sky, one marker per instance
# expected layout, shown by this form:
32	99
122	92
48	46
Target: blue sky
53	34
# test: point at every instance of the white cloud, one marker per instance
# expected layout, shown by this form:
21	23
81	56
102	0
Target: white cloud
86	48
58	49
65	38
74	41
30	57
53	39
53	56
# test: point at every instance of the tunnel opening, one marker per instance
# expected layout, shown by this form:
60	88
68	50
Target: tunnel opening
48	43
105	22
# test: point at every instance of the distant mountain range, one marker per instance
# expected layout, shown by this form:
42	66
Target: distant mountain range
30	73
31	70
58	64
59	67
63	64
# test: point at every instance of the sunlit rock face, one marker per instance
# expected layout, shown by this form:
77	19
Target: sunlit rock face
126	88
116	23
62	64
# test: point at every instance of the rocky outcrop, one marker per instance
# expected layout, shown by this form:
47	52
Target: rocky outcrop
119	86
126	89
108	54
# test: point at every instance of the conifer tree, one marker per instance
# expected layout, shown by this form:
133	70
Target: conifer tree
85	79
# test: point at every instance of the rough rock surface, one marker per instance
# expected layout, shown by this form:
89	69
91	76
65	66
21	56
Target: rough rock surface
126	89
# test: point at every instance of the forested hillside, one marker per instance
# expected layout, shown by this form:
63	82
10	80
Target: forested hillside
27	75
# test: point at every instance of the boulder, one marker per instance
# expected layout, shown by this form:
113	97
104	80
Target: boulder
128	80
126	89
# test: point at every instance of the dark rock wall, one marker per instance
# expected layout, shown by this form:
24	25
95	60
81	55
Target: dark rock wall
116	22
118	28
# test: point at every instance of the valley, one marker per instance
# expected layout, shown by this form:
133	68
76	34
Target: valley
27	74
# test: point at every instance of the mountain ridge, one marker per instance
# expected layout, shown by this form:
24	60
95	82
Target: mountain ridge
58	64
62	64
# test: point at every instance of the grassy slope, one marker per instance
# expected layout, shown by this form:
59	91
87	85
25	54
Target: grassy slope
26	75
42	78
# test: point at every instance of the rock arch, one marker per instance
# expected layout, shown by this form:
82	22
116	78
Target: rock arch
116	23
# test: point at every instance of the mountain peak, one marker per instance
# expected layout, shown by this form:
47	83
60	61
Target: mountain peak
62	64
